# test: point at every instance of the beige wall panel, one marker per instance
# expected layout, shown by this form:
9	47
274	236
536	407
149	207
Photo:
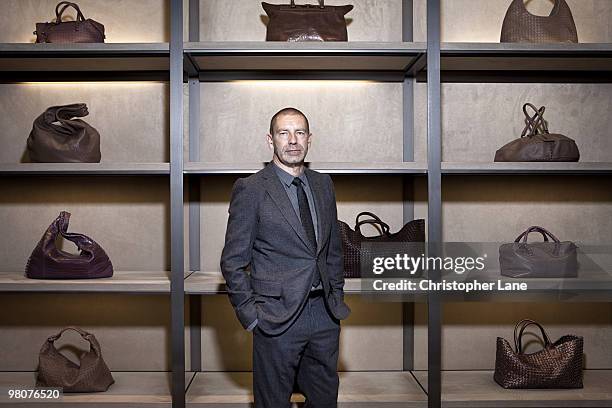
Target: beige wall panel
350	120
379	194
124	20
478	119
133	332
132	118
245	20
420	20
420	336
470	330
420	122
128	217
371	338
481	20
498	209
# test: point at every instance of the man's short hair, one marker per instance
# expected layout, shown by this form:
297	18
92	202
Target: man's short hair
288	111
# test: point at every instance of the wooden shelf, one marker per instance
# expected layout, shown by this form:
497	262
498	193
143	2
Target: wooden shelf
510	168
133	389
473	389
27	62
120	282
106	168
323	167
342	57
357	389
588	57
211	283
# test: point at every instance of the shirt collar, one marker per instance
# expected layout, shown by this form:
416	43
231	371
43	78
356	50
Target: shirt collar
287	178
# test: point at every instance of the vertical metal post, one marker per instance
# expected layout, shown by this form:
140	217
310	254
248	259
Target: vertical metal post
434	203
177	292
195	301
407	181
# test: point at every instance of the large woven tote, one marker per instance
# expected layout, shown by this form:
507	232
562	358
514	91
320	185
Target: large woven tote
55	370
523	27
558	365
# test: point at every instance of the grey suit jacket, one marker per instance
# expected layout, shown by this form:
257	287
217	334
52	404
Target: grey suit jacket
265	237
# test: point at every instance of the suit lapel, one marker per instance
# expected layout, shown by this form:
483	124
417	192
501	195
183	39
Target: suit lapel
279	196
323	217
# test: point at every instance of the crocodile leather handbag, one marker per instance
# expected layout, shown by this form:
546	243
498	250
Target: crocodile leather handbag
49	262
536	144
548	259
521	26
70	141
309	22
352	240
558	365
80	31
55	370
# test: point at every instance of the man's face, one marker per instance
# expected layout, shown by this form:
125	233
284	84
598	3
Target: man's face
291	139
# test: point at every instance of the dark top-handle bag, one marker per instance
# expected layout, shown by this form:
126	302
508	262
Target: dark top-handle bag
309	22
56	370
536	144
49	262
80	31
558	365
352	240
70	141
523	27
548	259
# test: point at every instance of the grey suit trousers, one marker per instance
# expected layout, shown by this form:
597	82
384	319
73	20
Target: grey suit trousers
307	352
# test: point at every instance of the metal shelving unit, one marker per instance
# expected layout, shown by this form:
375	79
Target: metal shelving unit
194	62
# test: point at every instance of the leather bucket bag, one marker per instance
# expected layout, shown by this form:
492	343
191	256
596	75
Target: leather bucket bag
70	141
56	370
536	144
49	262
521	26
80	31
352	240
291	22
522	259
558	365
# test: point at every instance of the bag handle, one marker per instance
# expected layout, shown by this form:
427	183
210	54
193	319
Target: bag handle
82	242
90	338
518	334
374	221
545	233
534	125
66	4
321	3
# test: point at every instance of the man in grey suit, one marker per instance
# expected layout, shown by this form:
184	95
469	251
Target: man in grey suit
282	262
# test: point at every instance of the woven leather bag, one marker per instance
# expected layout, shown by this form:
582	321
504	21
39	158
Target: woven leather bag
536	144
80	31
521	26
413	231
55	370
49	262
558	365
309	22
70	141
522	259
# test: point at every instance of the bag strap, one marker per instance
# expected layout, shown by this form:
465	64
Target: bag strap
545	233
83	242
535	124
374	221
66	4
321	3
90	338
518	334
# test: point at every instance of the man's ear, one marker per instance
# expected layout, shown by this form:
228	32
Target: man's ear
270	141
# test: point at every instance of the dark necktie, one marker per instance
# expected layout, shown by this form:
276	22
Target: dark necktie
306	218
